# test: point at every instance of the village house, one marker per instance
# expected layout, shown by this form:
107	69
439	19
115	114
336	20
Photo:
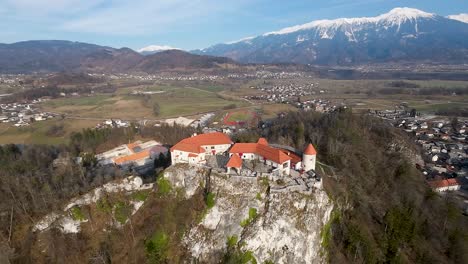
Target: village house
138	155
445	185
193	150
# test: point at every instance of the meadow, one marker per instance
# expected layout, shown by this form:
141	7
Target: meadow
54	131
173	102
193	99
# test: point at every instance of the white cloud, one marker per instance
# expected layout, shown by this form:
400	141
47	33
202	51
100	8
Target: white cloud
143	17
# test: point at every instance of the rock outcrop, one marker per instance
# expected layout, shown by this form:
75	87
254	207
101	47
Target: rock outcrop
279	227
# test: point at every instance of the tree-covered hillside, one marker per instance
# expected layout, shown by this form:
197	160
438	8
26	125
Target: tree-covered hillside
384	211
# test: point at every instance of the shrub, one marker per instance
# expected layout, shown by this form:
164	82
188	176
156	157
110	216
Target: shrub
122	212
141	195
104	205
258	196
251	218
164	186
210	200
236	256
232	241
77	214
230	106
157	248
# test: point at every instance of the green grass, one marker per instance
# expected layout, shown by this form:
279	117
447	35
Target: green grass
239	116
77	214
174	102
258	196
185	101
181	95
439	106
232	241
210	200
326	232
213	89
250	219
81	101
164	186
36	133
157	247
122	211
141	195
104	205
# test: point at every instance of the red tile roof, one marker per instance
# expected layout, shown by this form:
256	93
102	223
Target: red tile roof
265	151
187	147
444	183
191	155
194	144
133	157
262	141
132	145
244	148
234	162
294	158
310	150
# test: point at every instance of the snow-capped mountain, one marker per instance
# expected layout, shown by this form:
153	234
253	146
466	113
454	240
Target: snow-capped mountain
403	34
459	17
151	49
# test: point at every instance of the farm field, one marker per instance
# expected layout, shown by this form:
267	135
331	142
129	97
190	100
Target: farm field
239	117
172	101
43	132
184	99
271	110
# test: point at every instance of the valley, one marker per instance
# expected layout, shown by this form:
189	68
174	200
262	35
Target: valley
192	96
336	133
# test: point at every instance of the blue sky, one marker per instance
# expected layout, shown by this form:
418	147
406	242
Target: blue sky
182	24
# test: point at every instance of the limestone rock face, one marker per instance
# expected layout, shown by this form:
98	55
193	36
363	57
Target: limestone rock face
290	231
286	227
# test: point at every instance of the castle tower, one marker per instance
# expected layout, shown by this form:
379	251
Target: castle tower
309	158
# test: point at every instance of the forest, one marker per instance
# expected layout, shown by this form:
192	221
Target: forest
384	211
38	179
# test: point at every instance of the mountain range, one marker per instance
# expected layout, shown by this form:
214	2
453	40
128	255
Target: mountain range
399	36
59	55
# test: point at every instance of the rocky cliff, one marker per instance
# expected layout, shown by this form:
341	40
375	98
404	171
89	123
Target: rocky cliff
271	226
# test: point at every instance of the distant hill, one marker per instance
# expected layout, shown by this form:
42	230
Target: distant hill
44	55
111	60
57	56
401	35
177	59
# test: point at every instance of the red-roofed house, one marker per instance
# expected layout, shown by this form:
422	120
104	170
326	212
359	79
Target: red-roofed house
445	185
193	150
262	151
137	154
